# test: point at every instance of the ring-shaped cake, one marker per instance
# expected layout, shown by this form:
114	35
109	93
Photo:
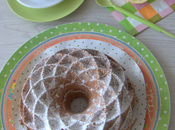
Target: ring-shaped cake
78	73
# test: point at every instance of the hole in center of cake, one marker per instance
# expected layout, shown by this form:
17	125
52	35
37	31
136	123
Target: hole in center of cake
78	105
76	98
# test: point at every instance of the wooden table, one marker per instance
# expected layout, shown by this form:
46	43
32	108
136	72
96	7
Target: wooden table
14	31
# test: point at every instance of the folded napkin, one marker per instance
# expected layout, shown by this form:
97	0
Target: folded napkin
153	10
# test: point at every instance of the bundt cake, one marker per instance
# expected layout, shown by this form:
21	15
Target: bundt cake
73	73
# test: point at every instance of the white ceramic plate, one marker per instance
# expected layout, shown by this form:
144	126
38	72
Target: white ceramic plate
39	3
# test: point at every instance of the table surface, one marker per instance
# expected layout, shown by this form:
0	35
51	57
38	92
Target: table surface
14	31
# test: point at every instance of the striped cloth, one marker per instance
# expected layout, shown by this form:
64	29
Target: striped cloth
153	10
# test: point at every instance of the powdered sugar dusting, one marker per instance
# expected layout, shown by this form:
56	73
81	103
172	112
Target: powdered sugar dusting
76	71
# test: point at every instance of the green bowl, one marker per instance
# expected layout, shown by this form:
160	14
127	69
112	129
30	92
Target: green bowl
45	14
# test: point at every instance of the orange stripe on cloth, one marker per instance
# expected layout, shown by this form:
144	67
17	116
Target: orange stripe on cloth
147	12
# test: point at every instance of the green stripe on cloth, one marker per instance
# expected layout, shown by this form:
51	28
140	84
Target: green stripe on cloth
173	7
110	9
155	19
127	25
125	15
128	6
133	31
150	1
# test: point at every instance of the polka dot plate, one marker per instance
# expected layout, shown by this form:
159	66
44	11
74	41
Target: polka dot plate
153	107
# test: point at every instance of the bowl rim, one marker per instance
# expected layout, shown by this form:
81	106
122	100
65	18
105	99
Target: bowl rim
39	5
